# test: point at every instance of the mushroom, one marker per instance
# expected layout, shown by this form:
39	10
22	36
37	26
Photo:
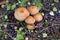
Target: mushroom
15	27
38	17
33	10
21	13
30	27
30	20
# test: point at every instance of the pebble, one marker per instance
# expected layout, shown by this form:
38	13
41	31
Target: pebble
55	9
51	13
29	3
59	11
26	38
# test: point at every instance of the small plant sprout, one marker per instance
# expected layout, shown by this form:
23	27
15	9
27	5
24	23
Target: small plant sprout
44	35
20	34
29	3
51	13
13	6
5	25
54	9
6	17
59	11
2	6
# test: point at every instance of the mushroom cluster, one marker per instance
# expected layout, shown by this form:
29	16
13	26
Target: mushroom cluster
30	15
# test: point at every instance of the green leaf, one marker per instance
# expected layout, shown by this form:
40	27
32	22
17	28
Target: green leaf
20	29
19	36
54	9
17	22
23	3
46	23
39	5
13	7
8	6
56	0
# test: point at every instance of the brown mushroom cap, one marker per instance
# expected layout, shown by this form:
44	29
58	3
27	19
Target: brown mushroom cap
30	27
30	20
38	17
33	10
21	14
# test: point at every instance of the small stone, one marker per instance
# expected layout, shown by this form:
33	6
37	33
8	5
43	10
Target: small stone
29	3
54	9
59	11
26	38
51	13
38	35
56	0
42	14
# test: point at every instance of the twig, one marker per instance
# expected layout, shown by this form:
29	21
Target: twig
7	34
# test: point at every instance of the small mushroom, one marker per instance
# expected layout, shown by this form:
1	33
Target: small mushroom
33	10
38	17
30	20
30	27
15	27
21	14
